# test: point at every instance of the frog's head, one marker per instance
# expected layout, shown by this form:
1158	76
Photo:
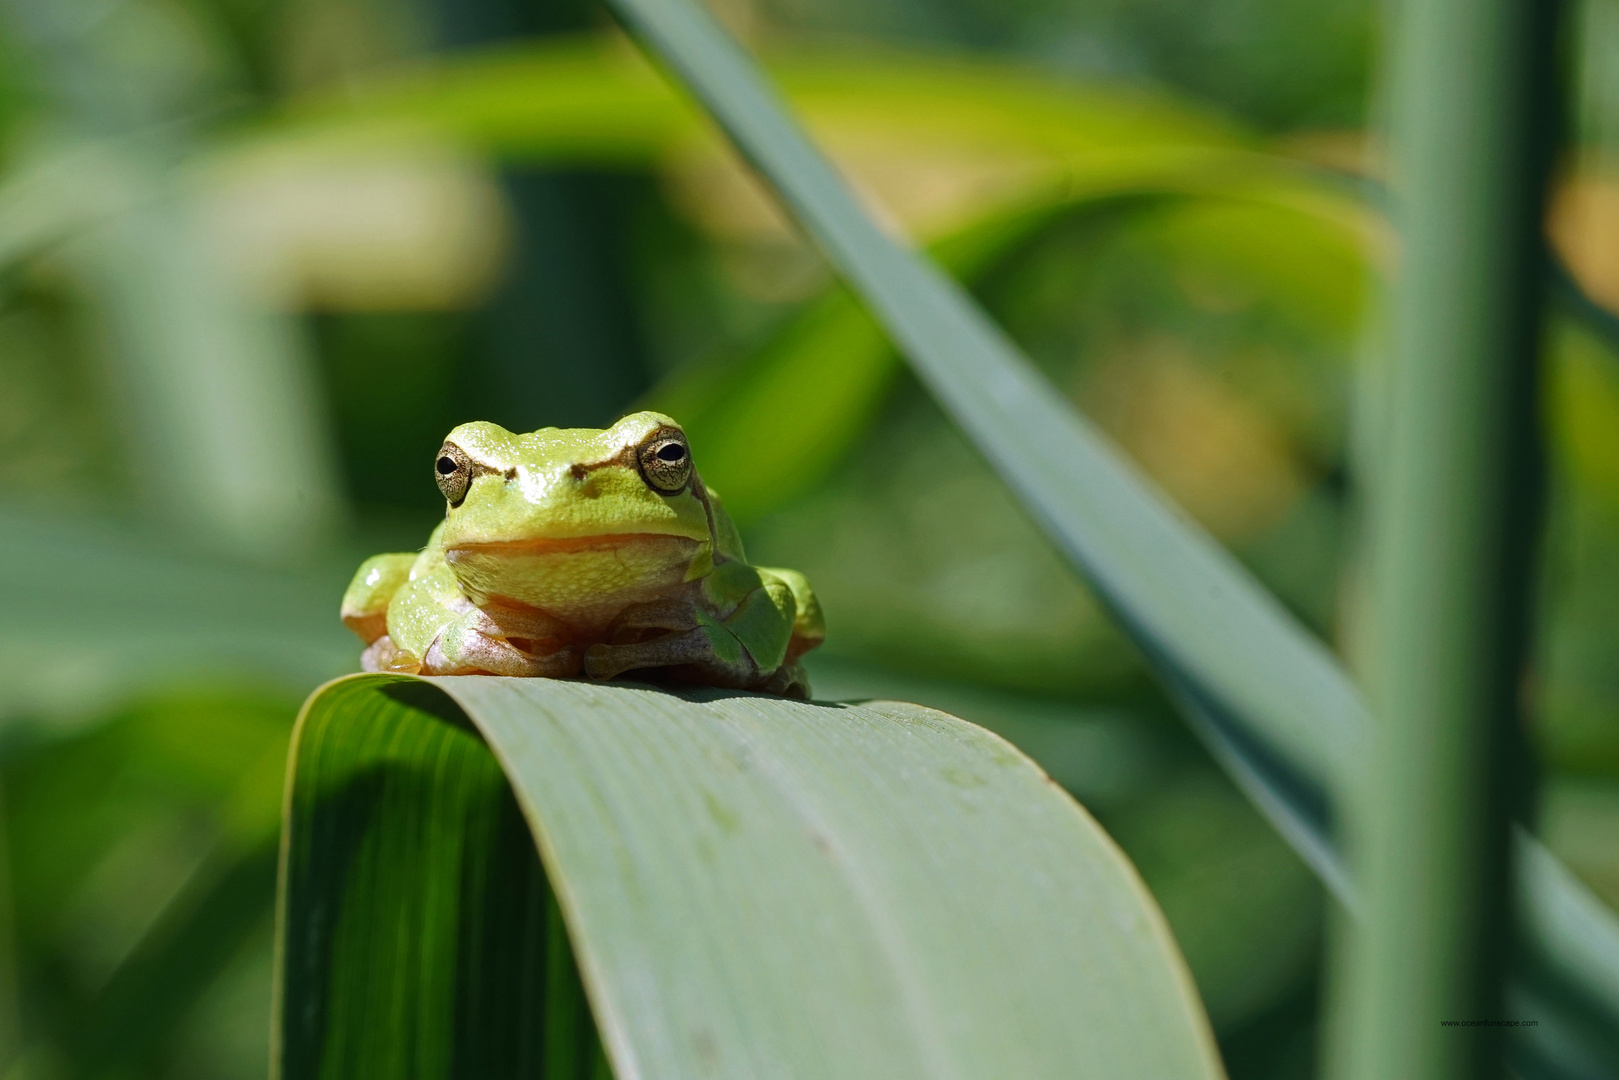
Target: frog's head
565	519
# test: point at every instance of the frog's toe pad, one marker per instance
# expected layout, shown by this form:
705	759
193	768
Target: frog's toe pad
789	680
378	655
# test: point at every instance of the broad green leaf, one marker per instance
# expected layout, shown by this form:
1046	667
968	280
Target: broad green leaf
1273	702
752	887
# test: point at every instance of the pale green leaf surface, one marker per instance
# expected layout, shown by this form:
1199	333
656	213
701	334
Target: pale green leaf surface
754	887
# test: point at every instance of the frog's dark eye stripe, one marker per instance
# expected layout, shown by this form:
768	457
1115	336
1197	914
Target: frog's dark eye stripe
665	460
453	470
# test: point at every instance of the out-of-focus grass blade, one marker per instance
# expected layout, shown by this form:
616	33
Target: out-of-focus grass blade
158	615
752	886
810	392
587	99
53	194
1570	977
1213	633
594	98
814	387
224	428
141	860
220	395
1586	312
151	993
1583	397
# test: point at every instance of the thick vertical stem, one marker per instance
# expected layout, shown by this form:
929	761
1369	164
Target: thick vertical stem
1452	519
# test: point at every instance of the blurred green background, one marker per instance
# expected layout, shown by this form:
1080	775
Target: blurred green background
258	256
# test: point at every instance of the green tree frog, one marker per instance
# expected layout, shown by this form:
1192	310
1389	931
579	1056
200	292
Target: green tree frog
582	549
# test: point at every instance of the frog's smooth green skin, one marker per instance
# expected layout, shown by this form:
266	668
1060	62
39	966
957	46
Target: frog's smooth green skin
582	549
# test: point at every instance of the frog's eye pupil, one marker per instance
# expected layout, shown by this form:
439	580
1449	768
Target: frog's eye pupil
453	472
665	462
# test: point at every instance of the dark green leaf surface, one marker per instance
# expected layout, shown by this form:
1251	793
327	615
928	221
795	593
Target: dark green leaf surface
755	887
1273	702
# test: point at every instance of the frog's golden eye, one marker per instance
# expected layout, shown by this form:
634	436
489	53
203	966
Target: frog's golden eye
666	460
453	471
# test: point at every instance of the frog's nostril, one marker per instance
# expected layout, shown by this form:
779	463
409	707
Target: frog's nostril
578	472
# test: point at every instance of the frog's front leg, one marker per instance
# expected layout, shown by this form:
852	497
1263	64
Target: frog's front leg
473	643
365	602
365	605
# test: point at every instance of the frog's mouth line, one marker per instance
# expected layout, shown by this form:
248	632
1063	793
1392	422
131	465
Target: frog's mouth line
559	545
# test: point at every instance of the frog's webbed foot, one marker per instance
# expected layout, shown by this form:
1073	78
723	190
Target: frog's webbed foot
632	624
747	651
688	640
701	649
790	680
720	663
701	655
473	644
